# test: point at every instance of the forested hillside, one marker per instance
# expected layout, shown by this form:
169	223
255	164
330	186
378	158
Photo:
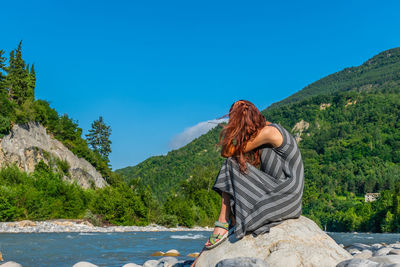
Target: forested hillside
43	194
350	144
163	173
381	71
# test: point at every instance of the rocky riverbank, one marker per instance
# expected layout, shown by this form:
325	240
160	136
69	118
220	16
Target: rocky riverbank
60	226
375	255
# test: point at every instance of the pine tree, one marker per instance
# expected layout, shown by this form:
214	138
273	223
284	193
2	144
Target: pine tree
19	80
99	138
2	69
31	83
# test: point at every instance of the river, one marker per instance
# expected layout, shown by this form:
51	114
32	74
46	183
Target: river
117	249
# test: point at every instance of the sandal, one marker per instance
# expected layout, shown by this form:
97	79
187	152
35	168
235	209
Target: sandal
216	239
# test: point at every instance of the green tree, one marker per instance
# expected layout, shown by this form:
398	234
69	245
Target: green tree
99	138
2	69
19	80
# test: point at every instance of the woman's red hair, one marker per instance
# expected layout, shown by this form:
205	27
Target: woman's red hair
245	122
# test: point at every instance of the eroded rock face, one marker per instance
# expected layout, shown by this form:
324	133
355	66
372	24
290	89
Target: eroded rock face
28	144
295	242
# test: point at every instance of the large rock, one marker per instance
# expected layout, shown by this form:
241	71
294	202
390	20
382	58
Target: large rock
358	263
28	144
10	264
295	242
84	264
242	262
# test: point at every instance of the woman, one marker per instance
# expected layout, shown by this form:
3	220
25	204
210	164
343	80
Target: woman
261	182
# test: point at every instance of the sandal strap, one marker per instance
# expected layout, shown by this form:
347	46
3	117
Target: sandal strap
213	238
222	225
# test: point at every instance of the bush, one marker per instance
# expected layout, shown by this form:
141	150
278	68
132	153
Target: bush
167	220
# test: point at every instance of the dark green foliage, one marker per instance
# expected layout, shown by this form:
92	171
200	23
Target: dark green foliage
162	173
119	205
99	138
43	195
19	82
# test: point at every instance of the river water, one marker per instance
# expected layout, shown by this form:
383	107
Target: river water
117	249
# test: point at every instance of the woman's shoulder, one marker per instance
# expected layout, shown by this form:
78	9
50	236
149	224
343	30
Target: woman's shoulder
286	136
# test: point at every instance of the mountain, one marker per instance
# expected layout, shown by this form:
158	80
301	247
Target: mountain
162	173
380	74
381	71
348	129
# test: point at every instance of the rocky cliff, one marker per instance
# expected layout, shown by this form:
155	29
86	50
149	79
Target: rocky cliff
28	144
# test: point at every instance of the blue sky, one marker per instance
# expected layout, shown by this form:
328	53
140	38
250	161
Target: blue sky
155	68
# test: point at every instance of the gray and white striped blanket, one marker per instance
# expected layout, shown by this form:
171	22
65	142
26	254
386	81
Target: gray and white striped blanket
264	197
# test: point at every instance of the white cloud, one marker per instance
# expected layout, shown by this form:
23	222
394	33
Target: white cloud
193	132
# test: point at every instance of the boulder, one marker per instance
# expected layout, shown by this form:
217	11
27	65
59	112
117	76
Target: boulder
131	265
11	264
172	253
394	251
294	242
382	251
158	253
84	264
365	254
242	262
193	255
376	246
150	263
167	261
387	259
358	246
358	263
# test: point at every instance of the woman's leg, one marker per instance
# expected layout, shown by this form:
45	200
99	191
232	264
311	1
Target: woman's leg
224	214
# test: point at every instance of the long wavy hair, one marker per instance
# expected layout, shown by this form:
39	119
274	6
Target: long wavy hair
245	122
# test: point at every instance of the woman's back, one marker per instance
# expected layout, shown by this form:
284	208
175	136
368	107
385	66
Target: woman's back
282	162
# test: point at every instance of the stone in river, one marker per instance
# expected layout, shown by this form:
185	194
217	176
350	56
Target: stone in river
358	263
358	246
84	264
158	253
353	251
387	259
193	255
365	254
131	265
376	246
172	252
242	262
394	251
395	245
1	256
294	242
382	251
150	263
11	264
167	261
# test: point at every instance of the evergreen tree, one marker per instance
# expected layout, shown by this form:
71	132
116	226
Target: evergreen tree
31	82
99	138
2	69
19	80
